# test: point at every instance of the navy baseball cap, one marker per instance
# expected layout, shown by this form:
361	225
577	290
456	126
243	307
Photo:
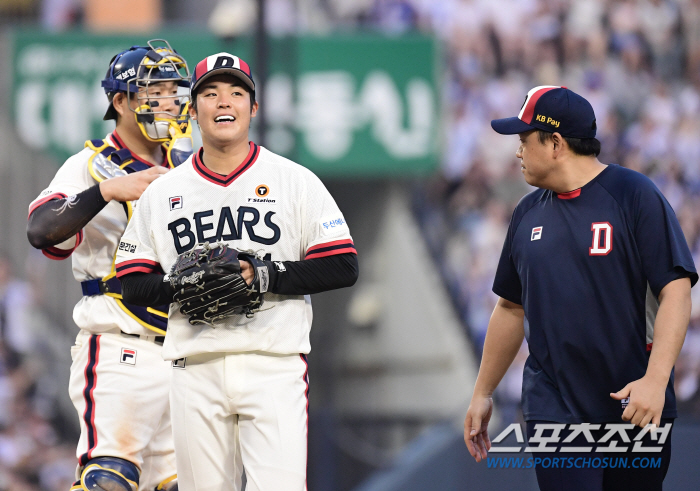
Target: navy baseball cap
221	63
553	109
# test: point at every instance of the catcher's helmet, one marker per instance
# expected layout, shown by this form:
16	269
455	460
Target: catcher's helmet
134	70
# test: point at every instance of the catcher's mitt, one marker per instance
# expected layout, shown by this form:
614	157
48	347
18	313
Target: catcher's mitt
209	286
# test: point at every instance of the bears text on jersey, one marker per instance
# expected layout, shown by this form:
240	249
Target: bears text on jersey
206	227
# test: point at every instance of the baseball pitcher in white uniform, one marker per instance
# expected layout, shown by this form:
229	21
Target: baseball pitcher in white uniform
119	382
239	394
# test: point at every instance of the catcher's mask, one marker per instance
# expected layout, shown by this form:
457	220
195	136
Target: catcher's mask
135	71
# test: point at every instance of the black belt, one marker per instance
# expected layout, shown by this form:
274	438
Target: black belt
156	339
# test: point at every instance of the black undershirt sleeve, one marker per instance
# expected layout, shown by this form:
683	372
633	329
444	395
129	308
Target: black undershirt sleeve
146	289
313	275
296	278
60	219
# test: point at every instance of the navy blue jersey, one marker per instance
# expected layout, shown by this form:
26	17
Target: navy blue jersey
587	267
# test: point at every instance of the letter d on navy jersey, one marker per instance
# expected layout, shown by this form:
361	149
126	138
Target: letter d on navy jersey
602	239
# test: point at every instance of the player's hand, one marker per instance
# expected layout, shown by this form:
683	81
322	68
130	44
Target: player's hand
247	272
476	434
646	401
131	187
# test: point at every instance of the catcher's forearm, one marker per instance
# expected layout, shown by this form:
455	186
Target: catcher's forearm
146	289
58	220
313	275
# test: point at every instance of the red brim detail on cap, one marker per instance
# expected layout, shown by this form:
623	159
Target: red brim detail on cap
510	126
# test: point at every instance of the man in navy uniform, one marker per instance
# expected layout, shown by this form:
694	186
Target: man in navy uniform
597	262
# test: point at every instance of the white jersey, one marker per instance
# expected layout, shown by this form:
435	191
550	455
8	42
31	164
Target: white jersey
93	248
268	204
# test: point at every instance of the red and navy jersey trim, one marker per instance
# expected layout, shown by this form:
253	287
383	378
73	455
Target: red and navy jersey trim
306	394
137	266
570	195
331	248
88	395
45	199
60	254
220	179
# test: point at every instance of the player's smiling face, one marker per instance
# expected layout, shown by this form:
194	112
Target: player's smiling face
535	159
223	110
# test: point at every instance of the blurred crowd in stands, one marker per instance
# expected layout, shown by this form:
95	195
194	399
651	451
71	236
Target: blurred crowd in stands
37	431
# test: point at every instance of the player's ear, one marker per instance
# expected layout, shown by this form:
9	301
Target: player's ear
557	143
254	109
193	110
118	101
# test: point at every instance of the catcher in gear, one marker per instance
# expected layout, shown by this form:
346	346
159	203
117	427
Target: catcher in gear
118	379
209	284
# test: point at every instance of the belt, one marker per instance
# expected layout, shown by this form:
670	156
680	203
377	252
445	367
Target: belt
156	339
99	287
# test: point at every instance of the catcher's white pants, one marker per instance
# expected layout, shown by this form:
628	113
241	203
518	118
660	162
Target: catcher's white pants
119	385
236	411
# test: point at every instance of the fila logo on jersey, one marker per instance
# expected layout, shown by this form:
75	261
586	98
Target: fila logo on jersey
175	203
536	233
602	239
128	356
180	363
211	228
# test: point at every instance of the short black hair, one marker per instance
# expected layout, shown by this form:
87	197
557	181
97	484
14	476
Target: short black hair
580	146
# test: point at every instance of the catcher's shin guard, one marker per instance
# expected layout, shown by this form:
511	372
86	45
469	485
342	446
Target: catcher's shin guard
109	474
169	484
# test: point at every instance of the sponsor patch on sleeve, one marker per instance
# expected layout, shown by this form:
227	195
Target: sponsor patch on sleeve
332	225
126	248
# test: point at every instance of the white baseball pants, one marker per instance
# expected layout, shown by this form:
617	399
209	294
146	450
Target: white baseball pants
240	411
119	385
